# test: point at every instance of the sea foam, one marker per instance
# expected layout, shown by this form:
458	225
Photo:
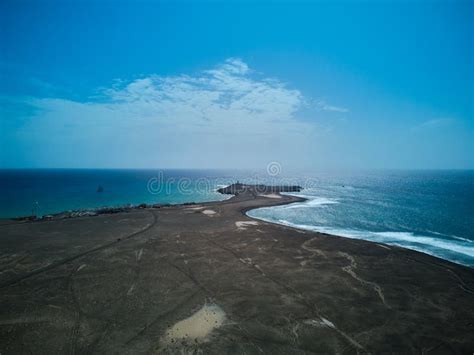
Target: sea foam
312	201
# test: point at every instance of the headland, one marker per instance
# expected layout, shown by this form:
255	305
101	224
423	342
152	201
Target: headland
207	278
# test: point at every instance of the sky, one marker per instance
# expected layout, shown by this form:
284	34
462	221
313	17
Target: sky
311	85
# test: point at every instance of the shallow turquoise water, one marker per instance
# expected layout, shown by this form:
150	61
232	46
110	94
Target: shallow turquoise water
49	191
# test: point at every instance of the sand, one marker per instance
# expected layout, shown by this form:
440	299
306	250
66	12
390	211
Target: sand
196	208
271	195
242	225
136	282
209	212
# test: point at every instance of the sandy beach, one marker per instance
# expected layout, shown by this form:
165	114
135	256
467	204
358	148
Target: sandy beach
207	278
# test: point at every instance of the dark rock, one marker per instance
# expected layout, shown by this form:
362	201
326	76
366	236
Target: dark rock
239	188
25	218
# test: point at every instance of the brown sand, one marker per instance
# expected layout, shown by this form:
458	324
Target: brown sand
131	282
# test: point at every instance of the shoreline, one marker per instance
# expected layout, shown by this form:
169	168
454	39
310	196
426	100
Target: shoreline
107	210
349	234
91	212
110	210
393	244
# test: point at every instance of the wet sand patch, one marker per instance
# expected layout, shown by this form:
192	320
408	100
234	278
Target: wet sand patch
197	327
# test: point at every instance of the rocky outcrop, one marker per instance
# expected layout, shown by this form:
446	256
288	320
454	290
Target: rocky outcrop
239	188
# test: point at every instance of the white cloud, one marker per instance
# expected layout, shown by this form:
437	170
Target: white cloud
226	92
432	124
322	105
228	112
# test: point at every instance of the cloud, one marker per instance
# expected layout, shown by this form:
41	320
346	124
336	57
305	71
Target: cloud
227	92
322	105
226	114
432	124
43	85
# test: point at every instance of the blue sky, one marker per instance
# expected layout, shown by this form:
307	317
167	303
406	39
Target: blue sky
312	85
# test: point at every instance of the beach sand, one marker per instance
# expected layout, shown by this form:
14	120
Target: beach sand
271	195
180	279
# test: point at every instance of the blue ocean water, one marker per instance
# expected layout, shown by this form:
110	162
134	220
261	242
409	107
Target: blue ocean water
47	191
428	211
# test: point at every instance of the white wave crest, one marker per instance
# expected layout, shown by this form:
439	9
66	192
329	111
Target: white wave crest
458	247
312	201
451	236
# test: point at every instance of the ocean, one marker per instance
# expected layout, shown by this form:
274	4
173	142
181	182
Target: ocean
428	211
48	191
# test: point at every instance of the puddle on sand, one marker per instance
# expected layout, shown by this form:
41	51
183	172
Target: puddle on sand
197	327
